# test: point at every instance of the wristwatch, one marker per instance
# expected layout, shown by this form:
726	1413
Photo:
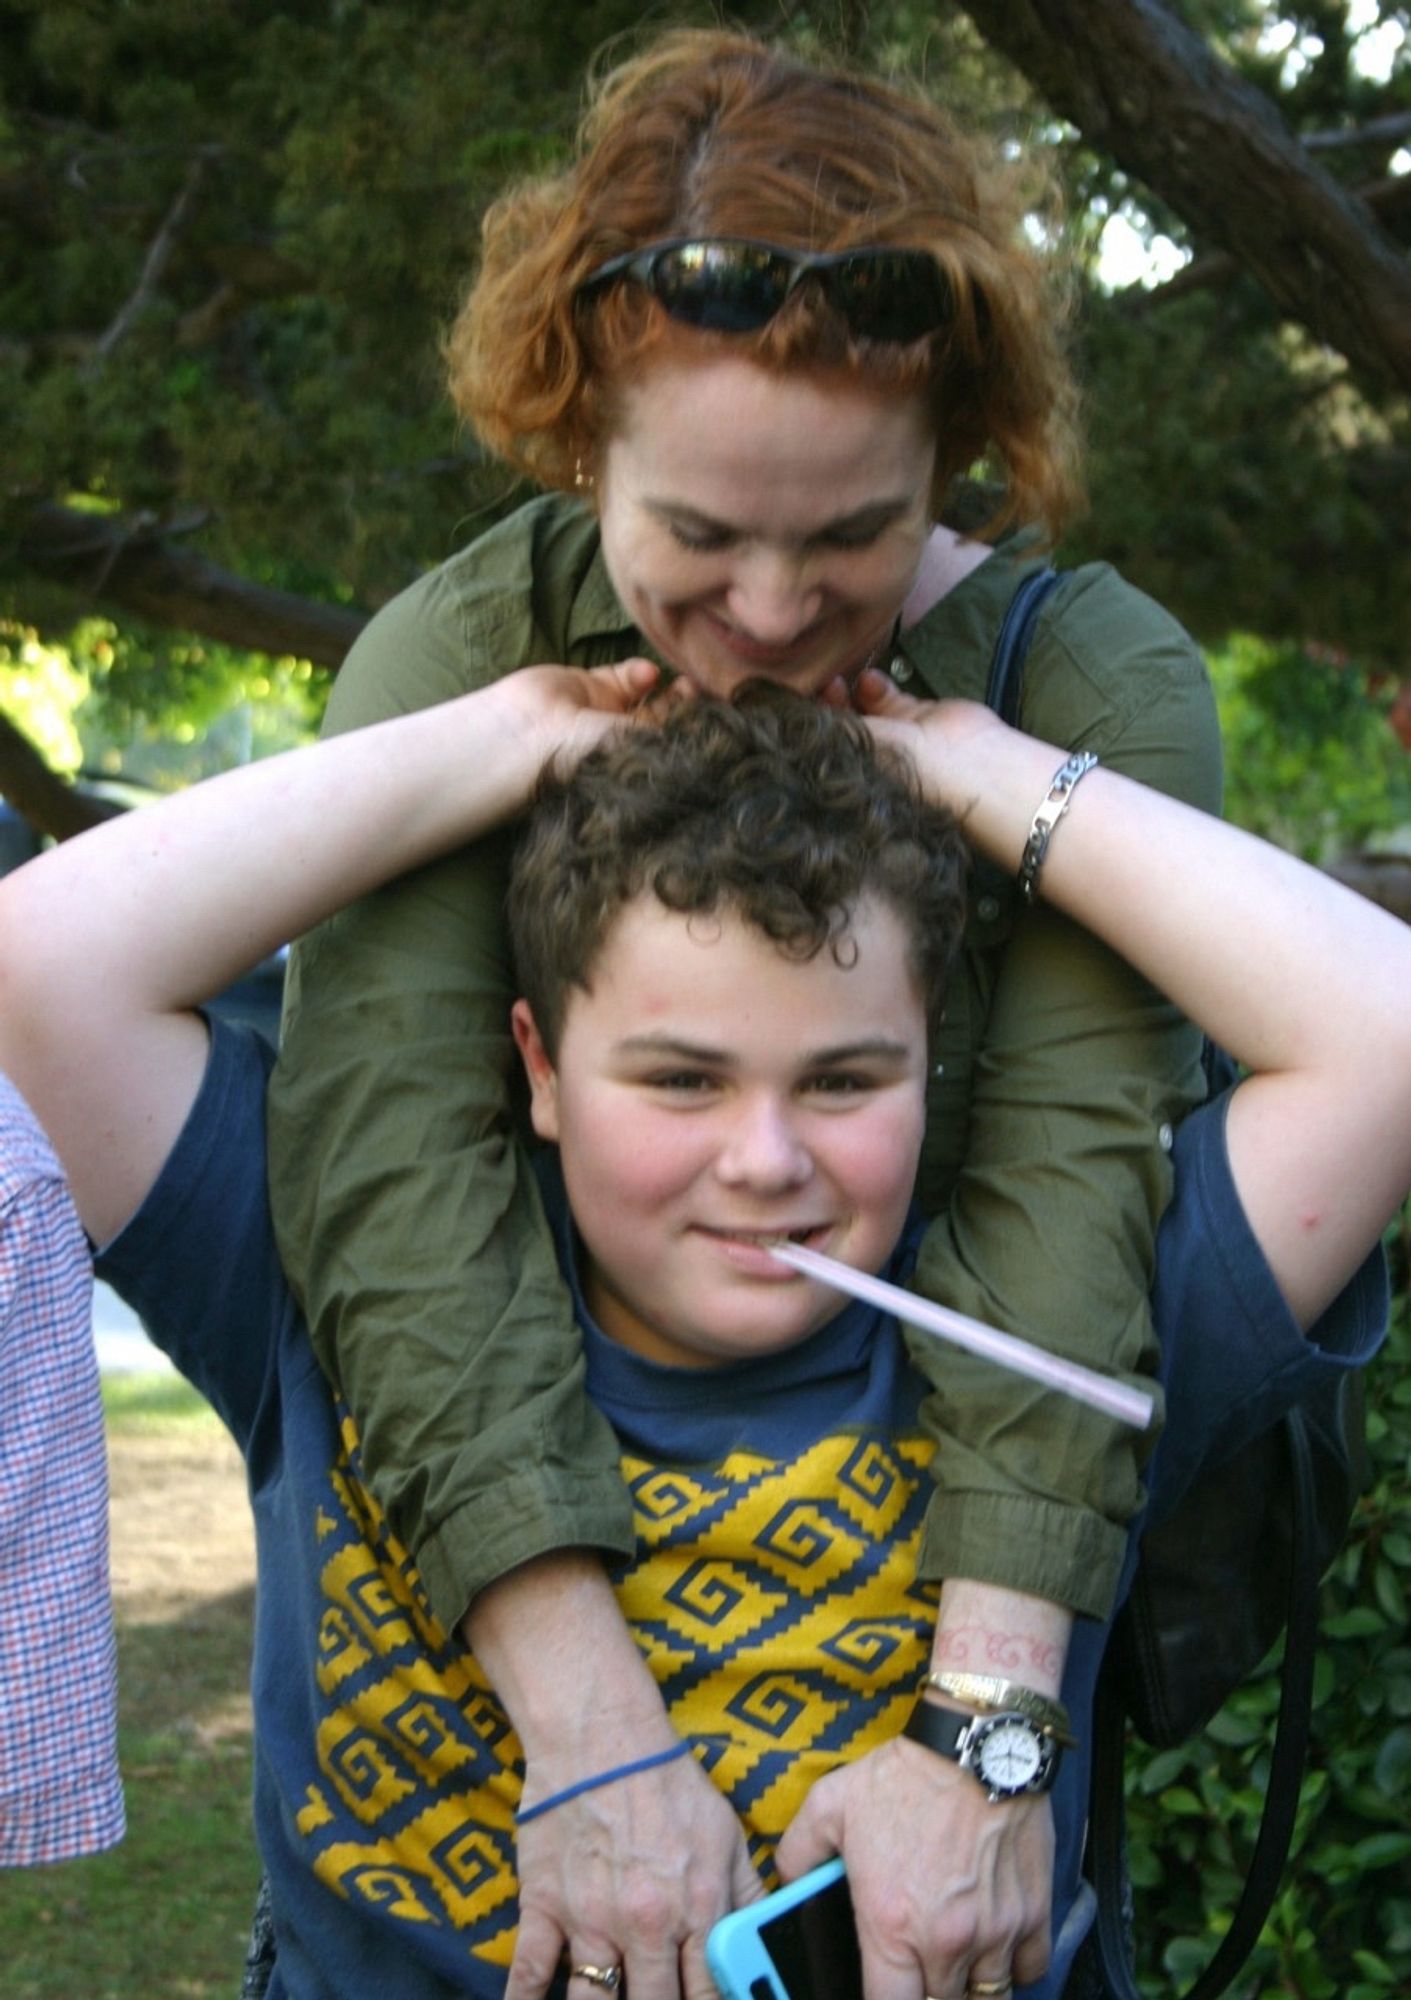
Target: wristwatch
1009	1754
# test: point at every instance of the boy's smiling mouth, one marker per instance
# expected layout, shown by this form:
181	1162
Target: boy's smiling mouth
753	1247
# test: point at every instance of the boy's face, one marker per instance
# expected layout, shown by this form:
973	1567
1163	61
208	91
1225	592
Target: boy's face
710	1092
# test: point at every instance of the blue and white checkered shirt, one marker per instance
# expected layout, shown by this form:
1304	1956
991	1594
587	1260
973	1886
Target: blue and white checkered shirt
60	1794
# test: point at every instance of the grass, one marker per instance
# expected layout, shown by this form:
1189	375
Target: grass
155	1403
166	1914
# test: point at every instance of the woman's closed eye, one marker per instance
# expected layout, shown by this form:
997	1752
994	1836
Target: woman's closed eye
700	541
863	537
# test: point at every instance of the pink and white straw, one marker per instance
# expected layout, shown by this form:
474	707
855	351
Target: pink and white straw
1070	1378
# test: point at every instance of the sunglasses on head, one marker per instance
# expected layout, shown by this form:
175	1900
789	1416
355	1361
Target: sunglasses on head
732	285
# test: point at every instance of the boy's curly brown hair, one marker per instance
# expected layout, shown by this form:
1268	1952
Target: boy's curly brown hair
771	806
714	133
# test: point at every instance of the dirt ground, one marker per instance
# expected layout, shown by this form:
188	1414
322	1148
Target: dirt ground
181	1532
183	1575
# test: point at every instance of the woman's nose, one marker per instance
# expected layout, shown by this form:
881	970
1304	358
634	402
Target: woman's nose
763	1150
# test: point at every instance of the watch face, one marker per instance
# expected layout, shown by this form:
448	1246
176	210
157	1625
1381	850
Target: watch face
1012	1756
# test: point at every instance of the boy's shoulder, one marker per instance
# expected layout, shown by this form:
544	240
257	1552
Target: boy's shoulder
1234	1358
198	1262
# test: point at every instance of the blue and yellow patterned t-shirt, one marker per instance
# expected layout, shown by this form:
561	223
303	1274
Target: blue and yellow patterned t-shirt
778	1504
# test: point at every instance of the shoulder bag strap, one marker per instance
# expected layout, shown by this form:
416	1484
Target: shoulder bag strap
1006	682
1286	1765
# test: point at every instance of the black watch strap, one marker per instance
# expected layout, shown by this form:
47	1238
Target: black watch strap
940	1729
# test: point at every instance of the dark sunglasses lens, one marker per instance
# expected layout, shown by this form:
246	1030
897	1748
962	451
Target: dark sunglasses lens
723	287
897	297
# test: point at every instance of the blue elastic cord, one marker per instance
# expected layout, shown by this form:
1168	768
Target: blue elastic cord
527	1813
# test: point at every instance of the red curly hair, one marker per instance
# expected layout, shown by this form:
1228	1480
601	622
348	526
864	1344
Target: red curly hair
716	134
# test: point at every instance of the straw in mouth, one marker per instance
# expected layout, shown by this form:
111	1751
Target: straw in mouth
1070	1378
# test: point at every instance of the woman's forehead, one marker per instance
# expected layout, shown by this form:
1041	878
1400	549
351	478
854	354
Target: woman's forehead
716	424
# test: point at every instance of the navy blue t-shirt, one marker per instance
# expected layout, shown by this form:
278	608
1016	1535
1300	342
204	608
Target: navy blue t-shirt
778	1504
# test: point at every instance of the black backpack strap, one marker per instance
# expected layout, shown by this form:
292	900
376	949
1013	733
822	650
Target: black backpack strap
1107	1830
1006	682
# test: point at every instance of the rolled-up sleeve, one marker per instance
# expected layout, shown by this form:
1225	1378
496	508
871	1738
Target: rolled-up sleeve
408	1216
1078	1072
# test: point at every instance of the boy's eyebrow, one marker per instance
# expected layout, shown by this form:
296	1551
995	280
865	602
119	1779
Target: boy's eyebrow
869	1048
671	1045
874	516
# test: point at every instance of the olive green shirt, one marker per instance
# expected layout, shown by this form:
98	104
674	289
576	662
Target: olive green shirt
408	1213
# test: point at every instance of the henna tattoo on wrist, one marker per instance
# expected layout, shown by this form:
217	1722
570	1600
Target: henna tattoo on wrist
982	1649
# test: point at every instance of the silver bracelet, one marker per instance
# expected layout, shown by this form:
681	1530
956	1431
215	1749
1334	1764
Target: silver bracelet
1052	807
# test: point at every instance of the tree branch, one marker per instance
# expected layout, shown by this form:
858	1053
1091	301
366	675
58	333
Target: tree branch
1386	131
40	795
1140	85
1390	198
133	566
155	263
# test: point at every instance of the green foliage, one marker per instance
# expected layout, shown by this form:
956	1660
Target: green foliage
1341	1927
1311	760
1241	478
1312	763
160	711
165	710
309	182
40	692
239	230
1237	472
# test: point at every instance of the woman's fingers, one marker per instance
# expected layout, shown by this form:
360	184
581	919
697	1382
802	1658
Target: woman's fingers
628	1877
947	1888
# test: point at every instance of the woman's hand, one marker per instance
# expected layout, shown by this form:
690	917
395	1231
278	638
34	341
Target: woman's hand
944	740
947	1888
564	712
633	1875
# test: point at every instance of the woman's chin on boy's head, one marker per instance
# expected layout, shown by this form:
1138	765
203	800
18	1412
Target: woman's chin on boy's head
708	1091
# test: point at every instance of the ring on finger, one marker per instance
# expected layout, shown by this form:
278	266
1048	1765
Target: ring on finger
990	1989
604	1977
607	1977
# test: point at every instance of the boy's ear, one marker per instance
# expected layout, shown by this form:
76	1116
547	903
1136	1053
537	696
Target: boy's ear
543	1079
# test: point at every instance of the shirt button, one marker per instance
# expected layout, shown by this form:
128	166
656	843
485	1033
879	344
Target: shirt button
901	669
987	909
1166	1138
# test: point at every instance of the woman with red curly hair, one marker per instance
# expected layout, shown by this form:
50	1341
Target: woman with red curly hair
757	343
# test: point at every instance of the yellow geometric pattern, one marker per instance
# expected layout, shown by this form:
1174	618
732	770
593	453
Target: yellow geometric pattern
775	1601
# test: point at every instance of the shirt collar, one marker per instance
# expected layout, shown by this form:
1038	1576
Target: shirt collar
949	650
595	613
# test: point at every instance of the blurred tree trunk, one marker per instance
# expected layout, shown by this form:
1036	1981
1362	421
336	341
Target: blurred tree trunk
134	565
50	804
1143	87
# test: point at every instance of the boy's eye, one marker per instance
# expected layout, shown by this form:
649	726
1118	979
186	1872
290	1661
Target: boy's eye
682	1082
840	1083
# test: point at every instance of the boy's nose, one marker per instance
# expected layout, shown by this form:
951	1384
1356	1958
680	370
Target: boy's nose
763	1151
